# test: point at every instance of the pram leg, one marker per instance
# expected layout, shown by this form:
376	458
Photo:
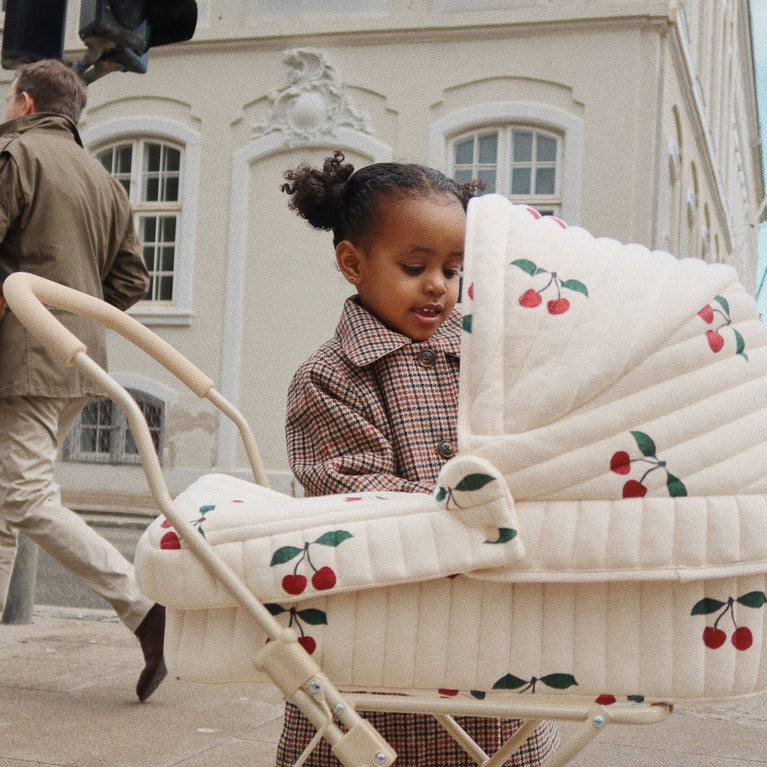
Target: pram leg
466	742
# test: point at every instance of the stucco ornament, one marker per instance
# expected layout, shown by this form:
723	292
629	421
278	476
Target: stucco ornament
313	104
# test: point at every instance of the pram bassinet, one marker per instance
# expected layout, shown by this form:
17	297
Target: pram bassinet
603	531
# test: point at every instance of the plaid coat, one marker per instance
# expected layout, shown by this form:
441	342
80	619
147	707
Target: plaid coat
374	410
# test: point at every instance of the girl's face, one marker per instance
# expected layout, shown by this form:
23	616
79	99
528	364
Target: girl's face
408	274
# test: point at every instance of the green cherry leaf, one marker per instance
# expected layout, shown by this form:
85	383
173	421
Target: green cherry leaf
559	681
635	698
441	494
576	285
334	538
274	609
466	322
644	443
509	682
526	266
740	344
505	534
313	617
676	488
284	554
706	606
474	482
753	599
722	301
206	509
478	694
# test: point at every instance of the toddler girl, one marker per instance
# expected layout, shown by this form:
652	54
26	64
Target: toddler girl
375	408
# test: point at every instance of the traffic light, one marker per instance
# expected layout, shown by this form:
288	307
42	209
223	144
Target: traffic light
119	33
33	30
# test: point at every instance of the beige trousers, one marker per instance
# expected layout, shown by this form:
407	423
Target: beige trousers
31	431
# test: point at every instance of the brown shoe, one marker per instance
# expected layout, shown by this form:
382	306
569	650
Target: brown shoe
151	634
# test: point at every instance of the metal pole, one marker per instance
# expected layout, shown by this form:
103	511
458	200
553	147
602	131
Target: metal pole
21	588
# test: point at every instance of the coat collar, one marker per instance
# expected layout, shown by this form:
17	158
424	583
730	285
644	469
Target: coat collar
365	340
41	121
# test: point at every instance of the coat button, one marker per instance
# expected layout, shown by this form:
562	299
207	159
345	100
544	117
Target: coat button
426	358
446	448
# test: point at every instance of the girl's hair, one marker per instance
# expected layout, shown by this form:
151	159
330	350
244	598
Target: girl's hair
54	86
339	200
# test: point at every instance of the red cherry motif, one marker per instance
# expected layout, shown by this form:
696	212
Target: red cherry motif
714	638
558	306
742	638
530	299
324	579
307	643
620	463
447	693
634	489
170	541
605	700
294	583
707	314
715	340
470	291
165	524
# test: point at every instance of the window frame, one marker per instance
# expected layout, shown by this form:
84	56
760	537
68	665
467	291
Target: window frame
534	114
118	431
102	136
505	163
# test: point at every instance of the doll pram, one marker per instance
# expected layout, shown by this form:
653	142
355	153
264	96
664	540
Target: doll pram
596	552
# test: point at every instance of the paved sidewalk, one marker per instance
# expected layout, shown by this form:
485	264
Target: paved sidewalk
66	698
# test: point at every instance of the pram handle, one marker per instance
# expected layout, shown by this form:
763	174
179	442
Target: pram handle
26	294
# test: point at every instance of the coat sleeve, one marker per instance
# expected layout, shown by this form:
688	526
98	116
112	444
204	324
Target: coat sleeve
127	281
333	446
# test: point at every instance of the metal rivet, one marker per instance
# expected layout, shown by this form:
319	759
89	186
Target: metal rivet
598	721
380	758
339	708
314	686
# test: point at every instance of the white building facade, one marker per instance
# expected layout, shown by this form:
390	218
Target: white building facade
635	119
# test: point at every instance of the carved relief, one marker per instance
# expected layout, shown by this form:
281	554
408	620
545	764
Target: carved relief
313	104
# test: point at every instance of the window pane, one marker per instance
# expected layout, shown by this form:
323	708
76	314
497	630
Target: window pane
520	181
164	288
166	259
151	189
152	157
546	149
523	146
488	176
463	176
488	148
464	152
124	159
161	173
117	160
148	228
168	229
545	180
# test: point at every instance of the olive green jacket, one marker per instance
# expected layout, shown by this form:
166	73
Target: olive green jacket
64	217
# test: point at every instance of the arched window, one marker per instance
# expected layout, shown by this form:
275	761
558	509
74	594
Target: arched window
530	151
520	161
158	162
150	172
101	433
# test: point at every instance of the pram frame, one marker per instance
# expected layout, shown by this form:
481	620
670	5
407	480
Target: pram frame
352	739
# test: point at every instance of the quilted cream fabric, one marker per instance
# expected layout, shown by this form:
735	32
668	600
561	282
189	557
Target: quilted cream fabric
603	530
